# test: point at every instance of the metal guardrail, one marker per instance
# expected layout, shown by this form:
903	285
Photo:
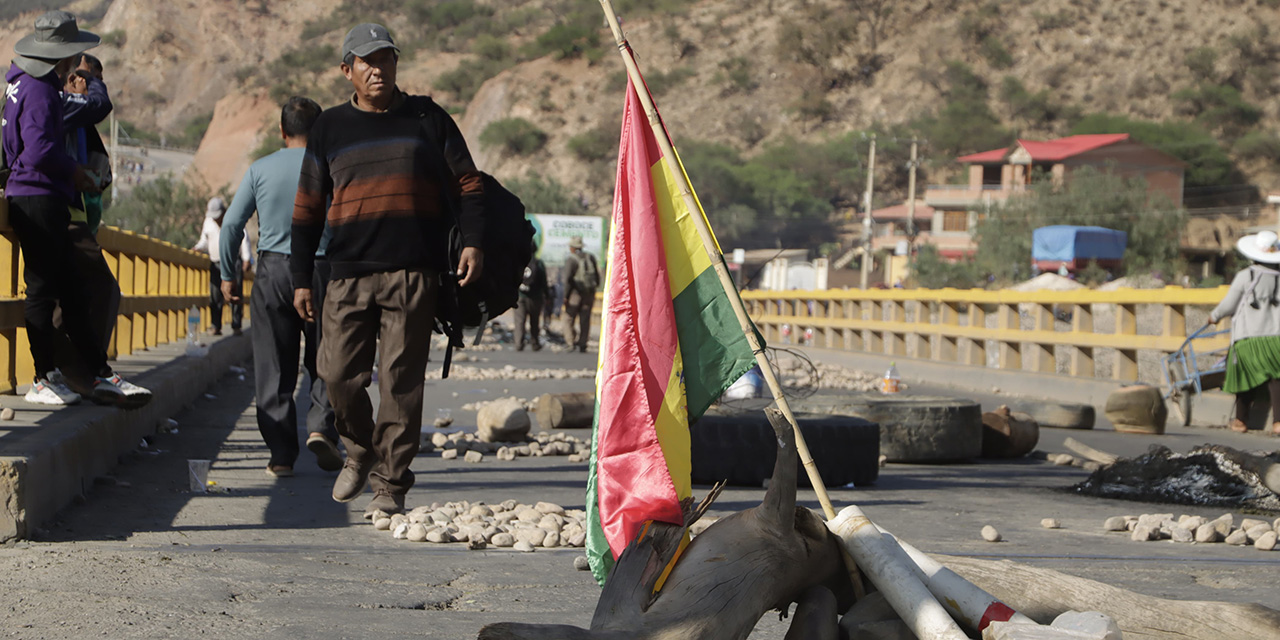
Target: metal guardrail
159	283
952	325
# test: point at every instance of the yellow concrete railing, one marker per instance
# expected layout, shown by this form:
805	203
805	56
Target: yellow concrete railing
159	283
1001	329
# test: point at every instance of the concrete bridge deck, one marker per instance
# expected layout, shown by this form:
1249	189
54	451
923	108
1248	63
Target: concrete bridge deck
139	556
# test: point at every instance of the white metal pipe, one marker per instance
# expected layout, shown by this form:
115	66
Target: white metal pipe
897	580
967	602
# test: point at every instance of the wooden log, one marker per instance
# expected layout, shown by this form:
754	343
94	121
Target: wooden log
1101	457
1043	594
1006	434
726	578
1266	470
565	410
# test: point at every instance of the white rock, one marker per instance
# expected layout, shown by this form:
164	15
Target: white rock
534	536
1224	524
416	533
382	524
883	460
401	531
1154	520
577	540
990	534
510	505
478	542
502	421
1061	459
1180	533
549	507
474	456
581	563
482	510
1256	532
1238	537
1249	523
449	454
532	516
1207	533
8	413
1092	624
439	439
1266	541
551	540
1143	533
1050	523
1114	523
523	545
437	535
503	540
1192	522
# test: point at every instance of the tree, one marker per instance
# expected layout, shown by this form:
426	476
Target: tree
1091	197
875	15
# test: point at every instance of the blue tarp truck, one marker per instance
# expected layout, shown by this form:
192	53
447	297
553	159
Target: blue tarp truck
1075	246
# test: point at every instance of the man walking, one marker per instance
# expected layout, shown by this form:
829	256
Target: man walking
42	182
398	173
210	241
269	187
533	294
581	279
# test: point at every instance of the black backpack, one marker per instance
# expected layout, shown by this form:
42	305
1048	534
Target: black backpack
507	248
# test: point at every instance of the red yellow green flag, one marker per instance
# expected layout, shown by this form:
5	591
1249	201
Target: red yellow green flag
670	344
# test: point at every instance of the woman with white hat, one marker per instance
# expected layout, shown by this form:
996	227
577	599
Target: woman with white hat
1253	303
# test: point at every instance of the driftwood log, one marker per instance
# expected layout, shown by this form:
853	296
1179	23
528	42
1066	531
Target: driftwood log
565	410
1008	434
742	566
1043	594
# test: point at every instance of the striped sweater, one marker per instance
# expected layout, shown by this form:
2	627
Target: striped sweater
395	181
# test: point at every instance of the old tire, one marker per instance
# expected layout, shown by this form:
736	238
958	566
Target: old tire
912	428
1137	408
742	449
1062	415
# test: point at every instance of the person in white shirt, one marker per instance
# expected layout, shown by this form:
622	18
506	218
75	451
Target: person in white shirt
209	236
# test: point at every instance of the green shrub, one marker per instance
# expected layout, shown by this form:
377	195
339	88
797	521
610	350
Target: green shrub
813	105
192	132
1051	21
465	79
565	40
116	38
736	73
491	48
546	195
1257	145
599	143
981	24
1219	107
661	82
446	14
931	271
516	135
995	52
1036	108
165	208
1201	61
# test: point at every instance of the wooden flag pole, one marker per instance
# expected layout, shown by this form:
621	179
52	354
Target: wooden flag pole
717	260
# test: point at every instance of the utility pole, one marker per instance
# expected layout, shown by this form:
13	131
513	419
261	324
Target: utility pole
911	199
866	220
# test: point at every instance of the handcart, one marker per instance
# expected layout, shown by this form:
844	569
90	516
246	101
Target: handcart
1189	372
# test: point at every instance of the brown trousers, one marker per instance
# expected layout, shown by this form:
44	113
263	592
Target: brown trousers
577	321
392	311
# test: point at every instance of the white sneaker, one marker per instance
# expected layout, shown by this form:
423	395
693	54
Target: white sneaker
46	391
134	396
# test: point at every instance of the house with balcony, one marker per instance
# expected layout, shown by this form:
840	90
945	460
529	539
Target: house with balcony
993	176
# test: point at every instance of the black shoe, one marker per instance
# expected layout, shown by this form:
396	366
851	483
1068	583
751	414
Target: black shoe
582	349
537	346
217	331
519	347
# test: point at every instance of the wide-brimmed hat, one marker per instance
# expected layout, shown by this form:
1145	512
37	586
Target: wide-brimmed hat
56	37
1263	246
575	242
215	208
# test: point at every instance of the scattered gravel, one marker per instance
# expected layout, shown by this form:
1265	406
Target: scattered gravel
1196	529
508	525
462	445
510	372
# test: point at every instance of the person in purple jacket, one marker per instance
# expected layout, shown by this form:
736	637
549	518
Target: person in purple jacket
43	180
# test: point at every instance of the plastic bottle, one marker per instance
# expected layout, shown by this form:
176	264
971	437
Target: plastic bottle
786	334
892	382
193	324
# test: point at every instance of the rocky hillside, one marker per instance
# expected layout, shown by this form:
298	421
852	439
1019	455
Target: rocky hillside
963	75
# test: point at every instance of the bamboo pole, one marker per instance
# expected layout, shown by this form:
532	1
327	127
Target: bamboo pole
717	260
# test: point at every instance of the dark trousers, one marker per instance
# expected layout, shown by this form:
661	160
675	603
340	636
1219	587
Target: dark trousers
528	311
277	335
389	313
101	292
577	321
215	296
320	418
1246	399
41	224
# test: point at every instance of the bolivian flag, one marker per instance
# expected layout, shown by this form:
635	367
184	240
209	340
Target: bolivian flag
670	344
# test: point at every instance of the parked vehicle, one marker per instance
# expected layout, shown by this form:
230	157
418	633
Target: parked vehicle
1075	247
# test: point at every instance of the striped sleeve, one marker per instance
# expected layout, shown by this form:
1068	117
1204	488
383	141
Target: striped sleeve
470	183
315	186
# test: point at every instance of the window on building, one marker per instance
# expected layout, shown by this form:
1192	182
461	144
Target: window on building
955	221
991	174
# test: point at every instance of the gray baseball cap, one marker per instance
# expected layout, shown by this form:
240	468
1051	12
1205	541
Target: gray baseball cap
364	39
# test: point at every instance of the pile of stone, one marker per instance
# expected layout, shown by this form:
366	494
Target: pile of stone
469	447
507	525
837	377
510	372
1187	528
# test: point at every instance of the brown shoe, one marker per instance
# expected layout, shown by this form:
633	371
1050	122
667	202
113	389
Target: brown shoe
327	455
386	502
350	482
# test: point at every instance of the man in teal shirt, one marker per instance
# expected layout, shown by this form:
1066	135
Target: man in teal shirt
269	187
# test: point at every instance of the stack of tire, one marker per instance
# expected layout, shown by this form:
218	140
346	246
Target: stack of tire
742	449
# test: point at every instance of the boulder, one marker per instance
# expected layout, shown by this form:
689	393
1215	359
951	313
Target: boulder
1006	434
504	420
